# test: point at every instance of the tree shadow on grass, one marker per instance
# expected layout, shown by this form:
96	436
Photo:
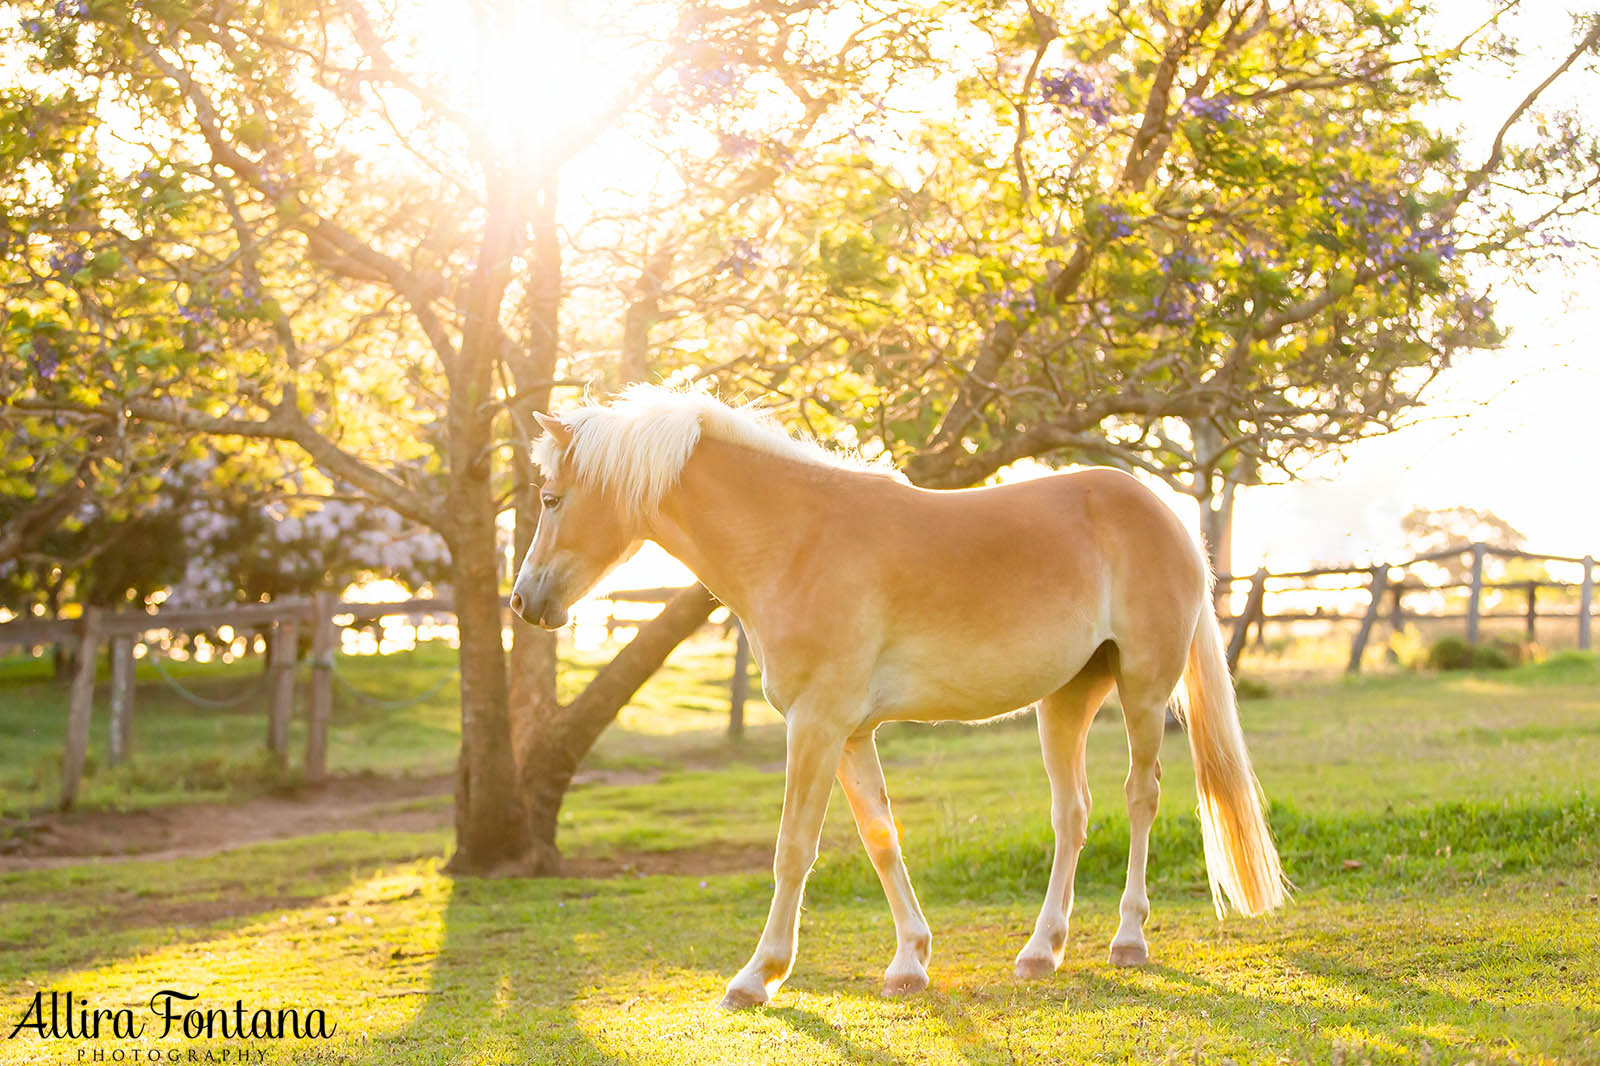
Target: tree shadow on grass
531	971
507	971
813	1025
1374	1012
92	915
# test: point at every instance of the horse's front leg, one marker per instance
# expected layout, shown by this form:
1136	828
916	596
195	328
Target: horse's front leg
814	744
861	774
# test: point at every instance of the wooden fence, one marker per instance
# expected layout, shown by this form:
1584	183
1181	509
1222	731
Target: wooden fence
120	631
1380	585
324	615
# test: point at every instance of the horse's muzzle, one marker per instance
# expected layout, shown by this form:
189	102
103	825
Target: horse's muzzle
539	609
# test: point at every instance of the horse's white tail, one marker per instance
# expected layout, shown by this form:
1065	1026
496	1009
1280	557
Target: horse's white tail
1241	860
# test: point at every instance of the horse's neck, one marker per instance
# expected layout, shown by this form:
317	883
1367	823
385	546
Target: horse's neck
738	516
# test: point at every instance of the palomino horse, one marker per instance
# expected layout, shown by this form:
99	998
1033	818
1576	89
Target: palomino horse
868	601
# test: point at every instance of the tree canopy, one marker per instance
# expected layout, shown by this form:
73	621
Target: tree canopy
1205	242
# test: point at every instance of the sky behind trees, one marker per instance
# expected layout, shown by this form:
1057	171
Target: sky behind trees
1509	430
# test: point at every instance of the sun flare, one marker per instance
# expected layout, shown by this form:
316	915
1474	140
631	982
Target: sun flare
533	75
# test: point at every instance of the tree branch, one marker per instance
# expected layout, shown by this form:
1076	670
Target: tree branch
324	235
1497	150
281	424
40	518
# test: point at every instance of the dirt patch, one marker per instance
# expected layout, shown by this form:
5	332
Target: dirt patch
363	802
141	913
686	862
359	802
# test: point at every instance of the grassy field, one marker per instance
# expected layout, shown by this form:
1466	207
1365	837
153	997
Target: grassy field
1446	852
183	752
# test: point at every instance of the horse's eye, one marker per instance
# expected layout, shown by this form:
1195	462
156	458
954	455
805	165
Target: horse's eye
551	501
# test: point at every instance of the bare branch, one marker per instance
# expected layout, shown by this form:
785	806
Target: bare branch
1497	150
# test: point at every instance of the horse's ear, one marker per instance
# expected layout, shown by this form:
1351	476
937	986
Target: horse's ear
557	429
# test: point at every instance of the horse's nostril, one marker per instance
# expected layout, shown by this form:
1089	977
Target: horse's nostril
516	602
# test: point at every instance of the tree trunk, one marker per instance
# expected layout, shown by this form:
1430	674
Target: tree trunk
64	654
640	315
550	739
491	830
1216	525
491	827
535	708
556	749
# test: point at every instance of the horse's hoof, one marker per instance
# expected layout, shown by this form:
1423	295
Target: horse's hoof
1035	967
905	984
1129	955
738	999
741	999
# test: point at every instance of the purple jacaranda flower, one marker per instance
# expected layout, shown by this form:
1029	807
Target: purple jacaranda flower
1174	308
1209	108
1384	222
744	255
67	262
1179	264
1114	223
1071	90
46	357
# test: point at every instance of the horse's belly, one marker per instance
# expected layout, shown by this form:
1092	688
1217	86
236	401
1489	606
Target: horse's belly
932	682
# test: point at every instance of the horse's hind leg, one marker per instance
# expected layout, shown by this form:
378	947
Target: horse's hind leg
1144	685
862	777
1064	718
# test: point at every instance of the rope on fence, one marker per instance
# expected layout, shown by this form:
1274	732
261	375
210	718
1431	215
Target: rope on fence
204	701
390	705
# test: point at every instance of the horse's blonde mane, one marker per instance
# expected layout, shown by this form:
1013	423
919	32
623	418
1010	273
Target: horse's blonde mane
635	447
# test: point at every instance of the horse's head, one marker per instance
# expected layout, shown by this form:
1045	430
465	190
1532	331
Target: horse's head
582	534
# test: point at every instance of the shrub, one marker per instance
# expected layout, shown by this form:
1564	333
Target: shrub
1454	653
1249	688
1450	653
1491	657
1516	652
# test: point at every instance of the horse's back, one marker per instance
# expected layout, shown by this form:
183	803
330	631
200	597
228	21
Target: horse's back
988	599
1090	528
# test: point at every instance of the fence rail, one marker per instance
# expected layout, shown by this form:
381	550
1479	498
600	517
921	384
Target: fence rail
119	631
1379	584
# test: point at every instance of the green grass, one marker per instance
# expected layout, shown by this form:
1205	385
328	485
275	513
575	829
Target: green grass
1444	834
185	753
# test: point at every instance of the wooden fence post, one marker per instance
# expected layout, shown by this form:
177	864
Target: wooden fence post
322	639
1474	604
1253	611
1585	602
739	687
1397	614
1533	597
1380	581
280	664
121	733
82	707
